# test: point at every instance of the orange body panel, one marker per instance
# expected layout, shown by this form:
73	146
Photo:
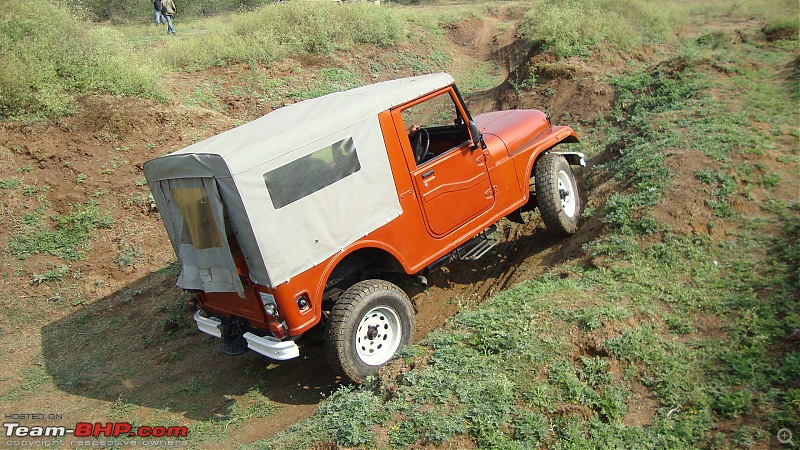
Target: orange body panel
445	202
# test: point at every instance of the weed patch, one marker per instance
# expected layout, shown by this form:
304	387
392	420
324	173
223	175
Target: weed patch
9	183
127	253
644	99
348	416
51	275
69	237
31	379
330	80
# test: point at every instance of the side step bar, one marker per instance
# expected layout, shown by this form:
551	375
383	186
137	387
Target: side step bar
480	249
468	251
476	247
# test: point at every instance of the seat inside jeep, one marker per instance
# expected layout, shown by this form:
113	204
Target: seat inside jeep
441	123
446	137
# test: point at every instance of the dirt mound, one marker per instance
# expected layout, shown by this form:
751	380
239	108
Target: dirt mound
96	157
570	90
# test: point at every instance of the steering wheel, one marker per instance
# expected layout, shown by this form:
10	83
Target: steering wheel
421	143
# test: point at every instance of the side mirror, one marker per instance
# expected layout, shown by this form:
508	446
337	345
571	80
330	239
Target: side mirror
477	137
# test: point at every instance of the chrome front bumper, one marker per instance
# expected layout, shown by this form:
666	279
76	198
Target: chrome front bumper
573	158
265	345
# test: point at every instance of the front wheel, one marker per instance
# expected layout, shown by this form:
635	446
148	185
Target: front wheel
367	325
557	195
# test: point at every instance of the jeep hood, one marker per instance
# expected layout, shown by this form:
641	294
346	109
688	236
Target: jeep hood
516	128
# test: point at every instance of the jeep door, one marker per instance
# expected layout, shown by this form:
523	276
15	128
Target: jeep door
451	179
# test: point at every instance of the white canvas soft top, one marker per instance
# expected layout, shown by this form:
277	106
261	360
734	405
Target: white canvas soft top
281	239
295	125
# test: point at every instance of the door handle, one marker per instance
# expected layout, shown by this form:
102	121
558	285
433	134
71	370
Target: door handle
427	174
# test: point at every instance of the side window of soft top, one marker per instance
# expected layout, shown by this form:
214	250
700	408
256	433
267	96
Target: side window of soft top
311	173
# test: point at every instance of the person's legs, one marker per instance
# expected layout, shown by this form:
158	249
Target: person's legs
170	30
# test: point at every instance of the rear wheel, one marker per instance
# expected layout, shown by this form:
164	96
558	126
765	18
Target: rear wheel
367	325
557	195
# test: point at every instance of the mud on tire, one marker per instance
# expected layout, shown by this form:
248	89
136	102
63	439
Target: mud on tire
557	195
367	325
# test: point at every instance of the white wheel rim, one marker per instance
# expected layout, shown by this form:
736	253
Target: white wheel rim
567	193
378	335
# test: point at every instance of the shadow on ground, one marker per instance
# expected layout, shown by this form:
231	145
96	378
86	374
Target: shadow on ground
140	346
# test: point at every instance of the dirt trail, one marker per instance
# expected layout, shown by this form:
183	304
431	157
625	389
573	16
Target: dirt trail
135	349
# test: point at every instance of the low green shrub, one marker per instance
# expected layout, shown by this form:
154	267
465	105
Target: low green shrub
49	55
279	30
574	27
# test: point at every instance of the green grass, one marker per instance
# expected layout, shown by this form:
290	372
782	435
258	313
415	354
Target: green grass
31	380
701	328
775	13
51	57
589	28
206	97
252	405
274	32
479	77
68	236
348	416
646	100
51	275
579	27
122	12
127	253
328	80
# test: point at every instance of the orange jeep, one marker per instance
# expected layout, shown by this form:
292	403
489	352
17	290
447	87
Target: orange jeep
299	218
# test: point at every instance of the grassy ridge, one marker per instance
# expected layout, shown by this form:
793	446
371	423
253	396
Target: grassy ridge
584	27
276	31
49	56
574	27
121	11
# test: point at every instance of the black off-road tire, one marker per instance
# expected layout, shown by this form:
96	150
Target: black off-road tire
557	195
367	325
